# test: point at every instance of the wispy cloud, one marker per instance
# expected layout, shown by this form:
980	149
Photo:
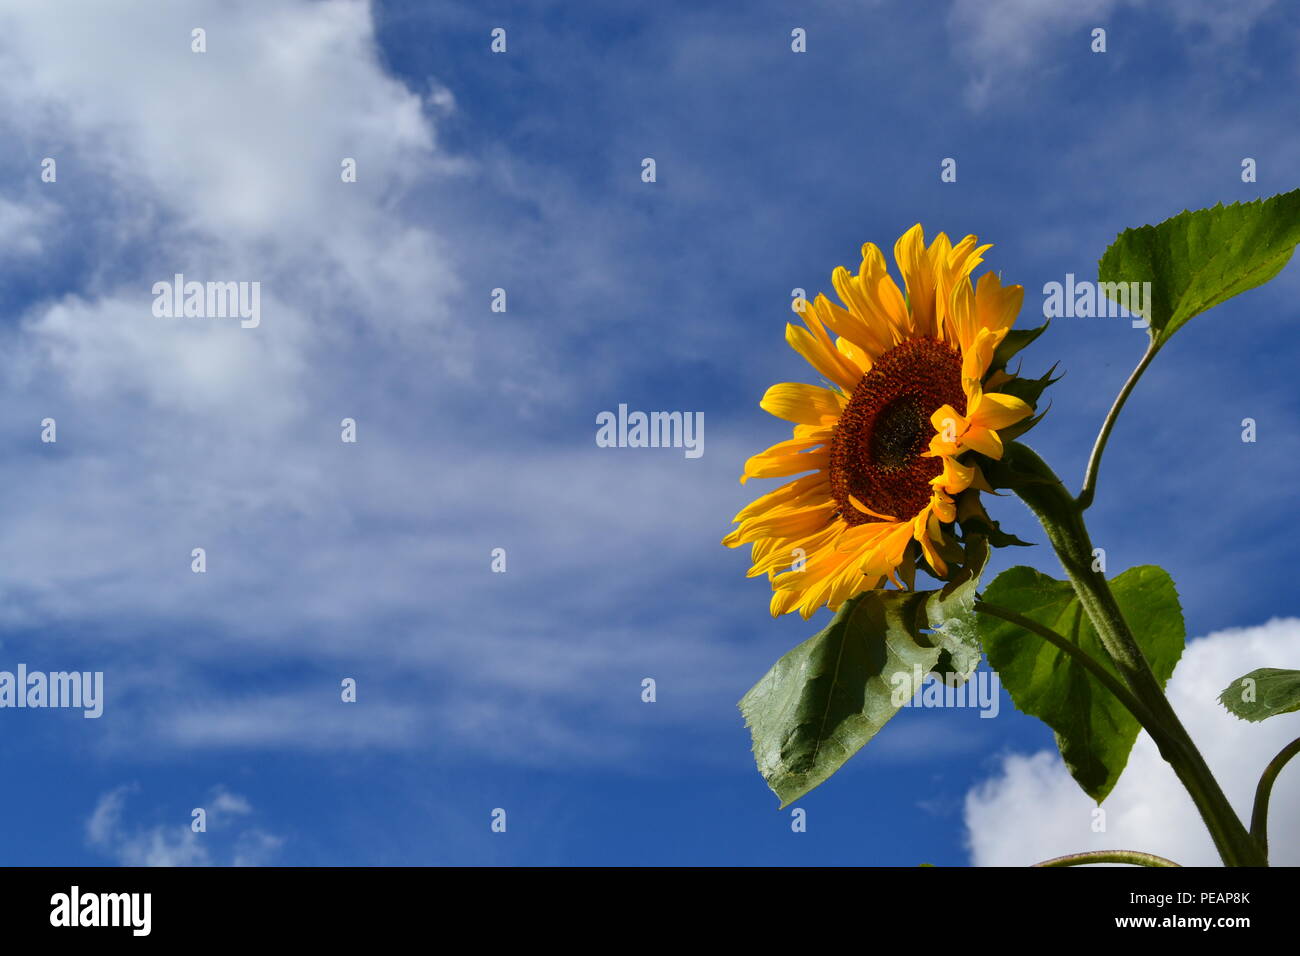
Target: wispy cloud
228	838
1004	41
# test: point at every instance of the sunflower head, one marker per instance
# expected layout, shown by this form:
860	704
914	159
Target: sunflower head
890	449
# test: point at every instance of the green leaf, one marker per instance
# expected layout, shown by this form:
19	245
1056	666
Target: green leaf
824	700
821	702
1198	259
1263	693
1094	731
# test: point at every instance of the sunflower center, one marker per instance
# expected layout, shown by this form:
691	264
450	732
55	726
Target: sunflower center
877	446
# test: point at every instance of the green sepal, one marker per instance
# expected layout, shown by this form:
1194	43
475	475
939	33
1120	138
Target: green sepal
1028	389
1013	342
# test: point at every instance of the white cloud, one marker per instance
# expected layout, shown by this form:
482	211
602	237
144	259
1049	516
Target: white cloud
223	165
103	350
242	142
20	226
1002	40
226	802
1033	810
182	433
176	844
300	719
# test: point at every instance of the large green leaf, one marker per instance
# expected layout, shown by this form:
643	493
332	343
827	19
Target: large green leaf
821	702
1198	259
1094	731
1263	693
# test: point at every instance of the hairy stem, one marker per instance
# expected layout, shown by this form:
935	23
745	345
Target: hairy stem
1062	519
1135	857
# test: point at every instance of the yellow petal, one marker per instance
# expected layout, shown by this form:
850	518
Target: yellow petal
915	266
785	459
983	440
955	477
815	344
889	552
942	507
895	308
868	332
996	308
804	404
948	427
867	511
854	354
923	529
784	601
860	583
959	317
806	488
977	356
828	362
943	257
996	410
787	525
777	555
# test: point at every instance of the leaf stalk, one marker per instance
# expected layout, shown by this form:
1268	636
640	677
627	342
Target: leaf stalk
1089	489
1259	815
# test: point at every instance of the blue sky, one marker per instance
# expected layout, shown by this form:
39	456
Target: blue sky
476	429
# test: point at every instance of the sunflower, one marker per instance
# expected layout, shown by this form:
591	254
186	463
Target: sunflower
891	447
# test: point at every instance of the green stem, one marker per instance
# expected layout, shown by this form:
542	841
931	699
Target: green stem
1062	519
1136	857
1078	654
1259	816
1094	460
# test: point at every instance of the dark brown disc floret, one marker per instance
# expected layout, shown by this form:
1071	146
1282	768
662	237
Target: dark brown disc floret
876	449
